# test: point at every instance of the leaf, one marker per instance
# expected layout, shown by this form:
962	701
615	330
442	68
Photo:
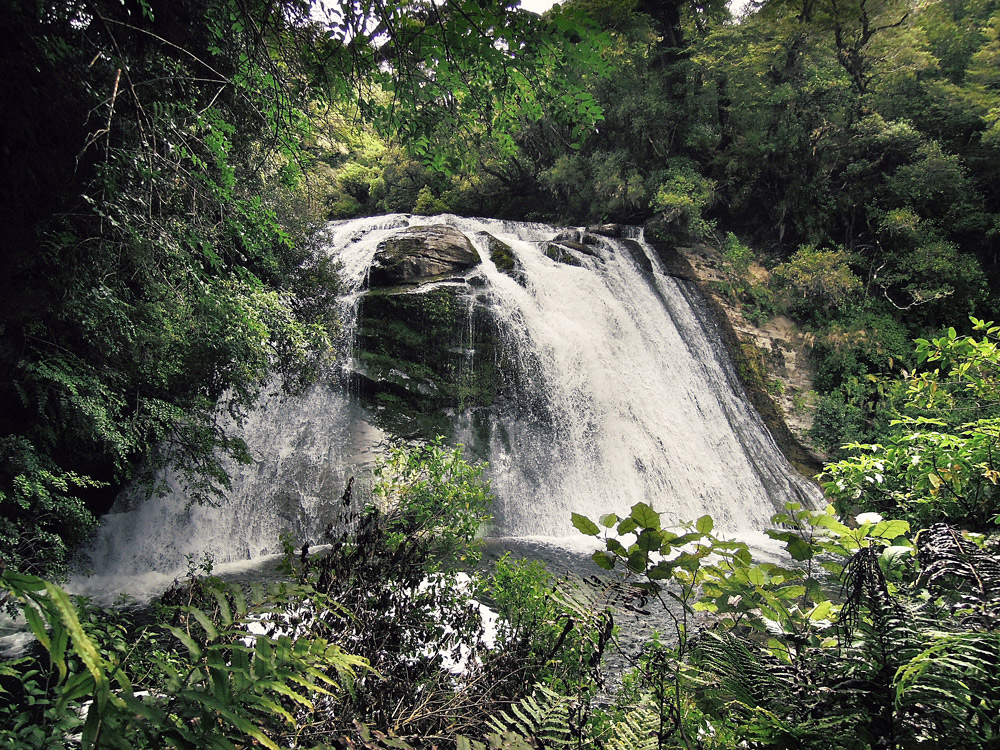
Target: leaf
705	524
821	611
584	525
603	560
37	626
756	576
649	540
890	529
645	516
790	592
193	648
637	561
85	648
210	630
799	549
627	526
616	547
608	520
660	571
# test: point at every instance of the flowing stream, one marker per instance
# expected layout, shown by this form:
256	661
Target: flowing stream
624	394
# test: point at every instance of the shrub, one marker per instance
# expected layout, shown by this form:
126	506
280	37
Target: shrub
818	282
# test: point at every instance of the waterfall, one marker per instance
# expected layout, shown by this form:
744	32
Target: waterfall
620	392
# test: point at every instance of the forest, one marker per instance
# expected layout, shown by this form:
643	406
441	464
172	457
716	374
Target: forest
169	166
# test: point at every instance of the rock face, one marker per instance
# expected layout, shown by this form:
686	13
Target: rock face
560	254
426	345
425	356
417	254
776	351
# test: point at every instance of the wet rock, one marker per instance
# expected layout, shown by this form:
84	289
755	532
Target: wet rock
568	235
501	254
581	248
419	254
503	258
607	230
422	354
638	255
561	254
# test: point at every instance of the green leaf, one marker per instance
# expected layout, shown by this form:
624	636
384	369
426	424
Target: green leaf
616	547
627	526
661	571
637	561
584	525
649	540
37	625
193	648
799	549
821	611
645	516
889	529
85	648
603	560
790	592
210	630
705	524
608	520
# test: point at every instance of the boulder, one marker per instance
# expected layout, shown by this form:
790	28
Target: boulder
581	248
638	255
607	230
575	237
418	254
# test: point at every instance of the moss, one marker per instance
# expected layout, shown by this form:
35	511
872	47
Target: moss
501	254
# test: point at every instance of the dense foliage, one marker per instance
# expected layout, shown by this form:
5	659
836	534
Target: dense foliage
166	165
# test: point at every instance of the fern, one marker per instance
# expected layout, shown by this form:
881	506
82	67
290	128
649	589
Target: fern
967	576
545	716
639	730
952	687
748	676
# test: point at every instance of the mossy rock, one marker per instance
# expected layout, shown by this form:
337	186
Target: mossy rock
561	254
426	356
502	255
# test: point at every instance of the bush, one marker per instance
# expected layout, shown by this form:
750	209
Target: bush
681	201
818	282
836	423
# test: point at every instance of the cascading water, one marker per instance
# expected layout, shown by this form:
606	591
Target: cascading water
621	393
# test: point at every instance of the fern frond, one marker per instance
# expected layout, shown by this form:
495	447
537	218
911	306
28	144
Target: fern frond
751	677
637	731
544	715
955	683
954	567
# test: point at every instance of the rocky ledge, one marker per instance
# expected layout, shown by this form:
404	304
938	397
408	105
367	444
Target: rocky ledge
418	254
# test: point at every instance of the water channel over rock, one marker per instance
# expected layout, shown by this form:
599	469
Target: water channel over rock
587	376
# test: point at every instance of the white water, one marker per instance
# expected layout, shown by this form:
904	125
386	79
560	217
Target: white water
626	397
